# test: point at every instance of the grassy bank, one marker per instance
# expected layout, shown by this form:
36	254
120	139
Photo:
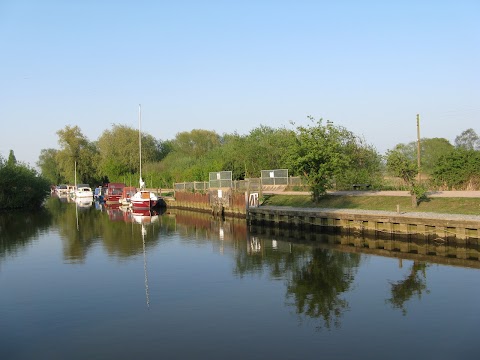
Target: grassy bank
467	206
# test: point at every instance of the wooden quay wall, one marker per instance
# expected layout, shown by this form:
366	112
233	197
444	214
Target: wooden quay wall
443	227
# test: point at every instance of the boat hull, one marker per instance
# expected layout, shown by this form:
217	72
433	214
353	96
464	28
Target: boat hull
144	200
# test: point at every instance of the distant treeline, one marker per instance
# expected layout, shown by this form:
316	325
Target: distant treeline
324	154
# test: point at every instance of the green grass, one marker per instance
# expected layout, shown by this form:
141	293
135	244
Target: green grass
466	206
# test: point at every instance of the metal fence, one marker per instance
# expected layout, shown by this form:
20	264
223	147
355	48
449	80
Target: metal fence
191	186
252	184
274	177
221	179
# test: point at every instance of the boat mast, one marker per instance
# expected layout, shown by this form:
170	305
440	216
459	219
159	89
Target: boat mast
140	140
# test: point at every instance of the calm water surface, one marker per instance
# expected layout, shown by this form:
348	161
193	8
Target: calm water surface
79	282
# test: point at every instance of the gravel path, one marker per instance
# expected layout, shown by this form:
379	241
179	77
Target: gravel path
459	194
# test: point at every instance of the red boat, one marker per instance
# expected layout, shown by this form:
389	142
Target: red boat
144	199
113	193
128	192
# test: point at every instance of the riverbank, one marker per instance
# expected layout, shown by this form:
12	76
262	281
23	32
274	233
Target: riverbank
461	202
444	228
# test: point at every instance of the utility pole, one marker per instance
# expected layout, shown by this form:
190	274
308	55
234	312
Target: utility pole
418	146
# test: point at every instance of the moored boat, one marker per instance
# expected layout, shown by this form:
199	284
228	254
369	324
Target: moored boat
71	190
127	193
144	199
113	193
84	192
61	190
98	193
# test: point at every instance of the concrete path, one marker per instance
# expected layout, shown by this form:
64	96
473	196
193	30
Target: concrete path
454	194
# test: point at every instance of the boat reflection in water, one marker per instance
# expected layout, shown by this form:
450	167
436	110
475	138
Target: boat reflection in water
129	214
84	202
144	216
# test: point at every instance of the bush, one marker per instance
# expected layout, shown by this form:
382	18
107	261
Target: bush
21	186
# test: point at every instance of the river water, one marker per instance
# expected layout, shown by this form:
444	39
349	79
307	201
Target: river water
89	282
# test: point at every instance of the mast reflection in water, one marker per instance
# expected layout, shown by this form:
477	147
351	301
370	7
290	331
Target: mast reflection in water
218	289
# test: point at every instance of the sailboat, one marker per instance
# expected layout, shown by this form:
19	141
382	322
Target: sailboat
83	192
143	199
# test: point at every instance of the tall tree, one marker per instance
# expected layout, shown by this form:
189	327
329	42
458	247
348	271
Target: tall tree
400	165
196	143
468	140
261	149
120	154
12	160
459	169
318	153
365	165
48	166
77	150
431	150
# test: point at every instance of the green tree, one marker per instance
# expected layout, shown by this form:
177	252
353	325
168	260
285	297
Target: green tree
459	169
76	149
21	186
195	143
468	140
12	160
318	153
365	165
231	156
402	166
261	149
431	150
47	164
119	151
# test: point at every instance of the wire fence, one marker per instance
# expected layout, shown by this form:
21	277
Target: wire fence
251	184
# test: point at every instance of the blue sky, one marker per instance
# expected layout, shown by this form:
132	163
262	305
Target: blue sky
228	66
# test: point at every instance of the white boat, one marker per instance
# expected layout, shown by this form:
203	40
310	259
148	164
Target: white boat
61	190
71	190
84	192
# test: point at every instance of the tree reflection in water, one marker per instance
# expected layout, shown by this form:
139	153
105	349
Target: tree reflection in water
315	277
19	228
414	284
317	284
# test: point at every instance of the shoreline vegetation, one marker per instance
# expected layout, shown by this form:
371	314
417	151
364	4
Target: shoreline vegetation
323	155
441	205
